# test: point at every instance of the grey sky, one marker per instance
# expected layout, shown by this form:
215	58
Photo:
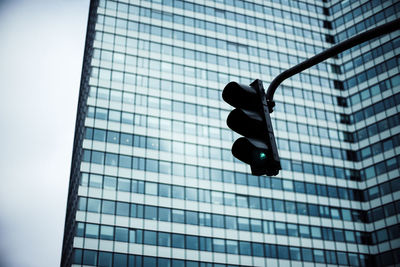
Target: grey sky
41	51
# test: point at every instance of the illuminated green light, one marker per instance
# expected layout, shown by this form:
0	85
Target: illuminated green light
262	155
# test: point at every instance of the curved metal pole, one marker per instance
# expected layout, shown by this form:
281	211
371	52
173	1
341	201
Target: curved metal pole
330	52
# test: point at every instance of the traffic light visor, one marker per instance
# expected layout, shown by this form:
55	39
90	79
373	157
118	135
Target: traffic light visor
247	123
255	153
240	96
250	150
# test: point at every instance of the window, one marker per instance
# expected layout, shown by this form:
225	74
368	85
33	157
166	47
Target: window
280	228
256	225
292	229
316	232
219	245
230	222
192	242
151	189
121	234
295	253
258	249
319	255
147	261
92	231
342	258
122	209
105	258
254	202
178	216
150	237
242	201
245	248
339	237
229	199
299	187
270	251
276	183
304	231
150	213
178	241
111	159
164	190
191	217
164	214
125	162
89	257
243	224
97	157
283	252
120	259
124	185
178	192
279	205
307	254
218	220
93	205
99	135
205	244
217	197
311	189
164	239
232	246
80	229
96	181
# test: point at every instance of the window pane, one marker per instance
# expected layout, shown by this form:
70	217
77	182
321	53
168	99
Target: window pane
164	239
245	248
107	232
164	214
150	213
150	237
105	259
120	259
178	241
92	231
121	234
192	242
89	257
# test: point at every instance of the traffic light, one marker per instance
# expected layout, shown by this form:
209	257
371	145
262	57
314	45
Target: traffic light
251	119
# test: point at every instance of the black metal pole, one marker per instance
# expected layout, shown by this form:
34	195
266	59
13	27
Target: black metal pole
334	50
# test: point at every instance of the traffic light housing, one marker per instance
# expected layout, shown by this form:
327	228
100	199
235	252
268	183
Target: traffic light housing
251	119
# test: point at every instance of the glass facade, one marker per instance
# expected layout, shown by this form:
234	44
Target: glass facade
153	181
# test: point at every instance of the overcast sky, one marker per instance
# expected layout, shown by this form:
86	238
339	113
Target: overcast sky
41	50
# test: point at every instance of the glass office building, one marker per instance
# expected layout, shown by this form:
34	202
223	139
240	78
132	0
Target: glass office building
153	181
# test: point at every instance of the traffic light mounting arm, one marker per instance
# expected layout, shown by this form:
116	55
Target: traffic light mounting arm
251	118
334	50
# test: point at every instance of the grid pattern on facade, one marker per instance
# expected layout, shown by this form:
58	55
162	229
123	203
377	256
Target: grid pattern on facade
157	182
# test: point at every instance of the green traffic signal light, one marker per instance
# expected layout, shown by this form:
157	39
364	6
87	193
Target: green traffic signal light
263	156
